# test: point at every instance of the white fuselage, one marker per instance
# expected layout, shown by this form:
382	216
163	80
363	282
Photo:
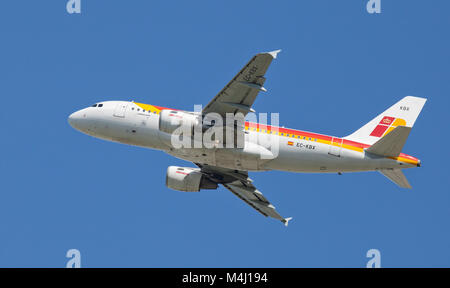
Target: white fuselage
128	123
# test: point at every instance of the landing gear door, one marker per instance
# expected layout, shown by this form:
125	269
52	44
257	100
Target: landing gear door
120	109
335	147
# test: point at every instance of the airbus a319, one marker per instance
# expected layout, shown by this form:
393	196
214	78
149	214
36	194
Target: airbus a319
376	146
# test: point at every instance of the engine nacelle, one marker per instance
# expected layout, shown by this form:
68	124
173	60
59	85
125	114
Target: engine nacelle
187	179
170	120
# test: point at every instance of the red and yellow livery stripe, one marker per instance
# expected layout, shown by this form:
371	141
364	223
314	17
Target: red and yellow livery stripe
151	108
329	140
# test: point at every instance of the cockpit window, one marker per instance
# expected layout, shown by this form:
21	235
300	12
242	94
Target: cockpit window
100	105
95	105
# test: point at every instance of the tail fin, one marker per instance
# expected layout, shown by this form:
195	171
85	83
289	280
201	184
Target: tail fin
402	113
396	176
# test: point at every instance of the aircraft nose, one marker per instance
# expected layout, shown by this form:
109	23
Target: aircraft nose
75	119
70	119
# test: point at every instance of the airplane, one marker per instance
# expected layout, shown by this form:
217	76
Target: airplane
376	146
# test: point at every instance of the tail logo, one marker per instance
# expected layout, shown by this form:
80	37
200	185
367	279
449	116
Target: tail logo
386	120
386	125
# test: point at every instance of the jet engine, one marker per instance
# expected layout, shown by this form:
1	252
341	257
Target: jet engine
188	179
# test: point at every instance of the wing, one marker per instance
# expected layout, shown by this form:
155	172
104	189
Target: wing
240	93
241	185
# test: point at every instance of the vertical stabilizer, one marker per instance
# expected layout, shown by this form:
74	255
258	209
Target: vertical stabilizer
402	113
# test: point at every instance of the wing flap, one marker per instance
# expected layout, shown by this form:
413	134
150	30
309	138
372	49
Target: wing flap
238	182
245	200
250	195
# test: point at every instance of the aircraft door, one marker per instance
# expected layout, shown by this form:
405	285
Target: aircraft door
120	109
335	147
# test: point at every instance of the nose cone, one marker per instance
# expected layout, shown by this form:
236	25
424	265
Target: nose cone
77	119
73	119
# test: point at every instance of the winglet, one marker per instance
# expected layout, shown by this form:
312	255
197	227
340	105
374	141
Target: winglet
286	221
274	53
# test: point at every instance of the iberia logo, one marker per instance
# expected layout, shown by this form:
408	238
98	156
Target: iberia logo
386	121
386	125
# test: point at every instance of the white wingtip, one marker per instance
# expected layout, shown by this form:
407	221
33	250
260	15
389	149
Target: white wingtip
286	221
274	53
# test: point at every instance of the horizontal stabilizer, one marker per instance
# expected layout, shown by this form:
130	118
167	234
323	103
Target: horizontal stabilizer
396	176
391	145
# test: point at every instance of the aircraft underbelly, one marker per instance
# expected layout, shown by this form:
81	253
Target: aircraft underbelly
226	158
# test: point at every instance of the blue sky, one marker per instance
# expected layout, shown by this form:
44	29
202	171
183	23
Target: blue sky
339	67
